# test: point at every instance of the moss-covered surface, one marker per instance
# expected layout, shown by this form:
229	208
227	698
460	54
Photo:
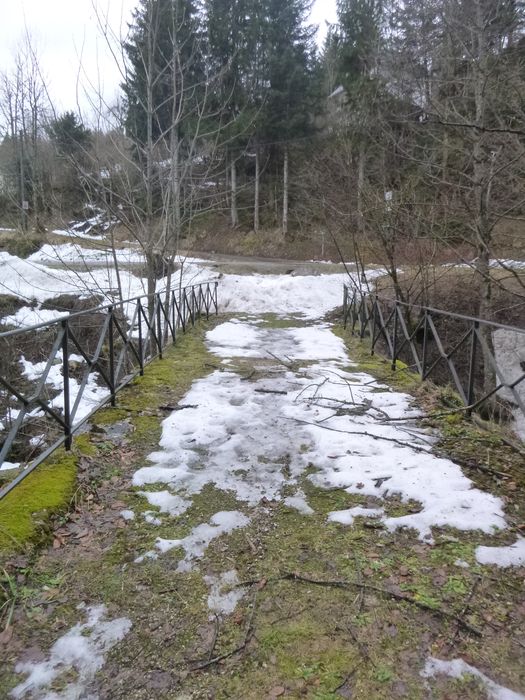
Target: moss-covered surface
25	513
289	636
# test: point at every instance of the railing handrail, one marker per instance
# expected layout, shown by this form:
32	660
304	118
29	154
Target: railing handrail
116	364
441	312
469	359
98	309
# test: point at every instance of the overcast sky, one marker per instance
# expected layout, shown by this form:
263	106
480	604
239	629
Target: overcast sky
66	35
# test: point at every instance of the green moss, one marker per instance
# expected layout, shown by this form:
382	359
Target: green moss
82	445
276	321
401	378
26	511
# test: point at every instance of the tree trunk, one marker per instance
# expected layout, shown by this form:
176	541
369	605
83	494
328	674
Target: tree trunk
481	191
256	222
233	207
286	166
360	185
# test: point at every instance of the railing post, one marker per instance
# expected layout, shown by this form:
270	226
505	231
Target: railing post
65	377
361	317
374	324
159	326
472	365
345	305
425	344
141	348
394	344
111	344
173	317
216	302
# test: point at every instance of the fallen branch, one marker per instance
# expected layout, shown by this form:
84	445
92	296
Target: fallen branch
474	465
270	391
215	637
345	681
177	408
289	365
289	576
384	591
465	608
411	446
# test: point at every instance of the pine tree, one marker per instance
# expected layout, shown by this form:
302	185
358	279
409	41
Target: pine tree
289	88
165	66
70	137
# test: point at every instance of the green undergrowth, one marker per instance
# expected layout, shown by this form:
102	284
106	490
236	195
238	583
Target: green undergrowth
26	511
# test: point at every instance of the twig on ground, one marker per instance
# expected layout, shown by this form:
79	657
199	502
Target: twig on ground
361	592
345	681
343	584
289	365
384	591
486	427
465	609
473	465
199	666
271	391
417	448
215	637
291	615
177	408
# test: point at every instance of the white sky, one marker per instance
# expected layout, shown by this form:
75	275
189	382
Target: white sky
66	35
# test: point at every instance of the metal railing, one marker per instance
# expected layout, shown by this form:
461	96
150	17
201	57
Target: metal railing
443	346
89	357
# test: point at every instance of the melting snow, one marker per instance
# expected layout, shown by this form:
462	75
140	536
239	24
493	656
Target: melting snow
347	517
299	502
165	501
83	649
513	555
196	543
242	433
224	592
458	668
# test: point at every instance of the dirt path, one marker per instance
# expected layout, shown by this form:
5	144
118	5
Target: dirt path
259	519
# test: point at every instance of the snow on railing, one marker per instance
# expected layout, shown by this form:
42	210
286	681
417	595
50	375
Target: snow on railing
88	357
482	359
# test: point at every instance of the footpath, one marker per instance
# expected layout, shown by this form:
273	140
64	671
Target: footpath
262	517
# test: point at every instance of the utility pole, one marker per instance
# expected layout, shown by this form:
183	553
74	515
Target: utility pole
23	202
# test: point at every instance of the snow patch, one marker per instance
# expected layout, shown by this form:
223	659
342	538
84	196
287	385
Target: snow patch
458	668
224	592
83	648
165	501
347	517
298	502
504	557
151	518
243	339
196	543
